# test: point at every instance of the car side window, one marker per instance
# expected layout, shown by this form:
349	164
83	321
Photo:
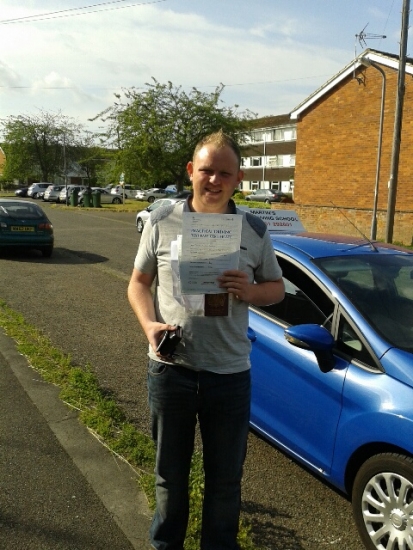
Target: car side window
304	302
156	205
351	344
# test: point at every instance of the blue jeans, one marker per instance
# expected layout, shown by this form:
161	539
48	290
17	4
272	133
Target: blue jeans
178	397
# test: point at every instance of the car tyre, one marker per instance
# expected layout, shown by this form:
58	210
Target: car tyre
267	201
47	251
151	199
139	225
116	200
382	500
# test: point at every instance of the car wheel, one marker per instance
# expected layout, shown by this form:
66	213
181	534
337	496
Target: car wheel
267	201
35	196
151	199
139	225
382	501
47	251
116	200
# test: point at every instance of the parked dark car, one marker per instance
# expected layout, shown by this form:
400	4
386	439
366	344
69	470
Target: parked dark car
332	374
23	224
268	196
21	192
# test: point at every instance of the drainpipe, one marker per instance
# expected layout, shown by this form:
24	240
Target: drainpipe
368	63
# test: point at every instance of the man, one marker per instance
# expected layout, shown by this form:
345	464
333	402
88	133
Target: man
208	379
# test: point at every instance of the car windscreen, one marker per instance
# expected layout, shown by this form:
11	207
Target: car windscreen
380	286
18	211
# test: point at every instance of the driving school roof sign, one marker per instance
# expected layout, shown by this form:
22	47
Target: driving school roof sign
280	221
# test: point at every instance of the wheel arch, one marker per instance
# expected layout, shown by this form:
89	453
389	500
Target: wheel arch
364	453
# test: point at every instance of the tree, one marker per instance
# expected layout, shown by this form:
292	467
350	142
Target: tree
90	156
38	146
155	131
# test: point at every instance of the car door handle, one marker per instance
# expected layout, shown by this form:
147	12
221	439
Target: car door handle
251	335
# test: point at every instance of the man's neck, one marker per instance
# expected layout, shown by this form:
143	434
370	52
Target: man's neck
202	209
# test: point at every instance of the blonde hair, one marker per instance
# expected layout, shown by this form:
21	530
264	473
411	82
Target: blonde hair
219	139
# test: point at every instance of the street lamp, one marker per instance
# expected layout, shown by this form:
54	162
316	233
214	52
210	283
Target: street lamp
368	63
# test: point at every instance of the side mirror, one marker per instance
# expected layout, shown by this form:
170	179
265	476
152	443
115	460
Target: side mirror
316	339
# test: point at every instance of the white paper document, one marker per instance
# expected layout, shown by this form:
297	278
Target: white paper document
210	245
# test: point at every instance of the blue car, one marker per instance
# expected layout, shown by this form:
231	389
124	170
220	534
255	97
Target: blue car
332	374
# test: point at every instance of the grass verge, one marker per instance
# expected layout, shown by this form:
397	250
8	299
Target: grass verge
79	389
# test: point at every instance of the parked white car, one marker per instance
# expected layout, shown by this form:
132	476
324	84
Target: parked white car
150	195
105	196
70	188
143	216
118	190
36	188
52	193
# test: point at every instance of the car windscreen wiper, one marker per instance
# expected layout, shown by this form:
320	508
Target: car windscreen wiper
8	213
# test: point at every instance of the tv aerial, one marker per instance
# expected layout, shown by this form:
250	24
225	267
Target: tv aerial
363	36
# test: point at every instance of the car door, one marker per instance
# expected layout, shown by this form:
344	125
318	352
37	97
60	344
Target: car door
294	404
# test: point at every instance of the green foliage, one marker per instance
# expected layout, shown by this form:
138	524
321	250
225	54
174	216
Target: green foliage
91	157
156	130
238	196
38	146
252	204
137	448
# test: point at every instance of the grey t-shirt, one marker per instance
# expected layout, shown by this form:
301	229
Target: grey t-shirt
219	343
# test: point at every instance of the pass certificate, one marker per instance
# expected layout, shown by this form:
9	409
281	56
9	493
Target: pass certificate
210	245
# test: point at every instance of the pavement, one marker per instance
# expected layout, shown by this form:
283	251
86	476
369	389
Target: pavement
60	489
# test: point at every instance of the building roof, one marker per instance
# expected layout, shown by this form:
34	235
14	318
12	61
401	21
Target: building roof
369	55
270	121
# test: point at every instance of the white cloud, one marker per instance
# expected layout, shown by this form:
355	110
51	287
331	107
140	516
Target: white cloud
8	77
269	60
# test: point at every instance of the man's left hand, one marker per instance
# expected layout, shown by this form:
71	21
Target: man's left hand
236	282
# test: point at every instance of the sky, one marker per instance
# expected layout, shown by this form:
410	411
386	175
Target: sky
72	56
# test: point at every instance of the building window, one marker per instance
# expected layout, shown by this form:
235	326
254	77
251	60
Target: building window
272	161
258	136
289	133
256	161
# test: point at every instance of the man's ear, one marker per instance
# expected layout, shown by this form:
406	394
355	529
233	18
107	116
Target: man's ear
240	176
190	168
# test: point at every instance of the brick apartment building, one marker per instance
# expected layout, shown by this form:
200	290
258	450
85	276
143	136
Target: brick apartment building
269	154
337	144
